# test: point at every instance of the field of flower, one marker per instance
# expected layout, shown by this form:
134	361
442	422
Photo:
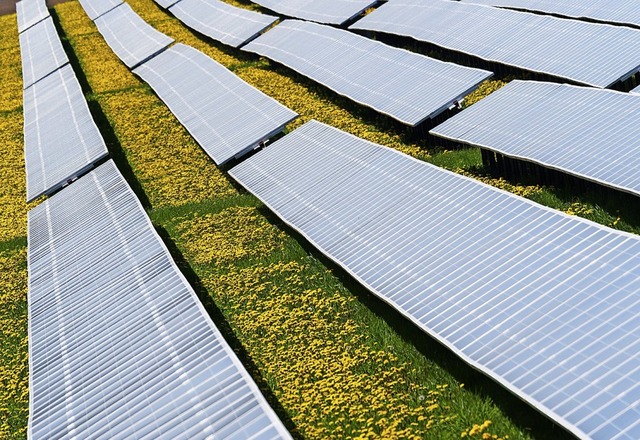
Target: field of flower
332	360
14	370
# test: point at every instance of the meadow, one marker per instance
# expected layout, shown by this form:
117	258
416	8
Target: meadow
332	360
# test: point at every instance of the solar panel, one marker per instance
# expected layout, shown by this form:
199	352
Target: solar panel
129	36
593	54
119	345
590	133
545	303
227	116
620	11
221	21
327	11
403	85
41	52
61	140
95	8
30	12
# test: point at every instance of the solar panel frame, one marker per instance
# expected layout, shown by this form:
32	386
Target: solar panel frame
414	234
403	85
221	21
131	38
589	133
42	52
225	115
336	12
30	12
619	12
61	139
119	344
598	55
97	8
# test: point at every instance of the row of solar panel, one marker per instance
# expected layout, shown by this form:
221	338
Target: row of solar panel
586	53
545	303
590	133
624	12
120	346
61	140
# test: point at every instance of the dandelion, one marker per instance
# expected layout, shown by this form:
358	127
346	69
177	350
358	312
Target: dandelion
233	234
484	90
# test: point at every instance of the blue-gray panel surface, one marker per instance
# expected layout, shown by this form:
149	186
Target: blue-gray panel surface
95	8
325	11
120	347
41	52
586	132
593	54
221	21
636	90
403	85
619	11
129	36
227	116
61	140
545	303
30	12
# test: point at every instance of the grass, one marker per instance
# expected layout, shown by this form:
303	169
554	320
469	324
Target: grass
333	360
14	370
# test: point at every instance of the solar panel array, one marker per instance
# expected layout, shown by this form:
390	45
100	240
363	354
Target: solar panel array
590	133
587	53
406	86
95	8
227	116
119	345
61	140
620	11
545	303
30	12
41	52
221	21
327	11
131	38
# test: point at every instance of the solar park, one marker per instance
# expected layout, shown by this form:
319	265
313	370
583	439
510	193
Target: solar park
140	320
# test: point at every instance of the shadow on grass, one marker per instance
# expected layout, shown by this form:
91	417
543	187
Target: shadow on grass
523	415
113	143
13	244
225	329
73	59
569	189
566	188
